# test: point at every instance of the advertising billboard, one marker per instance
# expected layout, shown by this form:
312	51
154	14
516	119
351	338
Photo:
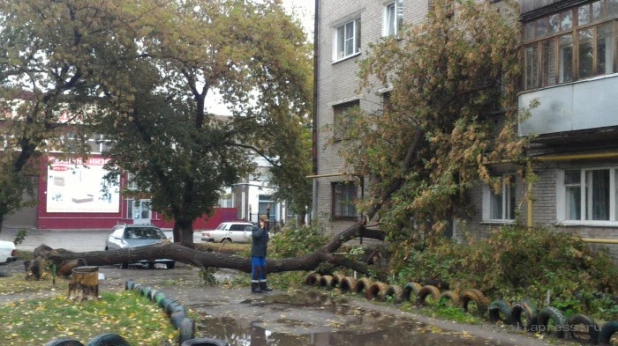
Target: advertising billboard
78	186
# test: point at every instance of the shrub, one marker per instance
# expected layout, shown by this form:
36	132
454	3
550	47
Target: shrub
514	263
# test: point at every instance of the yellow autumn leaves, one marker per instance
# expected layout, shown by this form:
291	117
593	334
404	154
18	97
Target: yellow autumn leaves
36	322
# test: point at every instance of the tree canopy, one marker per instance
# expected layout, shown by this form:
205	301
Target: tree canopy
453	110
146	67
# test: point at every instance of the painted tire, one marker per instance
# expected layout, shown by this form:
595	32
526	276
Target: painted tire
362	285
347	284
325	281
145	291
176	318
187	330
410	290
425	292
169	308
137	288
553	314
128	285
151	294
593	328
108	339
64	342
335	282
205	342
396	292
451	296
500	306
377	290
163	303
517	309
313	279
159	296
607	331
476	296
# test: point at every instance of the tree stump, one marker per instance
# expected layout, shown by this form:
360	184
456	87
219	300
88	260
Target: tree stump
85	284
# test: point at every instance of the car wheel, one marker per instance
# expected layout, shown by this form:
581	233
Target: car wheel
151	265
171	265
226	240
124	265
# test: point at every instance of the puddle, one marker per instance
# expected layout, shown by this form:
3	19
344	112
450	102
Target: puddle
315	319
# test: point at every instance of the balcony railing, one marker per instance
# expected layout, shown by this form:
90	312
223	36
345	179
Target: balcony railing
582	105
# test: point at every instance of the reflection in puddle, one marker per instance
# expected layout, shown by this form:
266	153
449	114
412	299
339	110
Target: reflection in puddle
318	321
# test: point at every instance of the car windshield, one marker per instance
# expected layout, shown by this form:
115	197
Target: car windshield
142	233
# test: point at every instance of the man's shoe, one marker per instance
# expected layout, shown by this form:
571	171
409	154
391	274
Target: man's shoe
255	288
264	287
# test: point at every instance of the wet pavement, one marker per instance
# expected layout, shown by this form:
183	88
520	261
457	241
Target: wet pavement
315	319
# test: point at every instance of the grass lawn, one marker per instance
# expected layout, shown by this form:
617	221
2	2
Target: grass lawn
36	322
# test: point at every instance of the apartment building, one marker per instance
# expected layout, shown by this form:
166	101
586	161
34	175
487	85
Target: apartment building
343	33
570	60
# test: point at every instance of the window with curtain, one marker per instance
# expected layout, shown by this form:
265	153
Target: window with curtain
500	205
589	195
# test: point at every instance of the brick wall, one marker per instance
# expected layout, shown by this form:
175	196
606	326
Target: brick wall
338	83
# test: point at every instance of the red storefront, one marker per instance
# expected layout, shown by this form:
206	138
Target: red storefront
74	195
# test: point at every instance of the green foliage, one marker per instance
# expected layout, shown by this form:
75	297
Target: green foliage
450	76
208	276
516	263
292	242
36	322
20	236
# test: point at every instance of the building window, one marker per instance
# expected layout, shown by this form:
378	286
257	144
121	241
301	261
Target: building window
348	39
500	207
587	196
344	196
393	18
576	43
343	118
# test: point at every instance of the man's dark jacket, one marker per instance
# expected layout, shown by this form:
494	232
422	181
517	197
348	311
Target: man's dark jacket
260	242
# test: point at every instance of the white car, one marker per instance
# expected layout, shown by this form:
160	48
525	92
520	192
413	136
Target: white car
7	251
236	232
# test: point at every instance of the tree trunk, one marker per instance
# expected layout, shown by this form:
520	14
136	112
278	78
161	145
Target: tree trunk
183	232
85	284
67	260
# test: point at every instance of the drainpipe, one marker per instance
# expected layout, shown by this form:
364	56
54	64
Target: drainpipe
314	129
529	193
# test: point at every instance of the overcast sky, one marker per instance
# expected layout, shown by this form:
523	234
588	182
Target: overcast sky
302	9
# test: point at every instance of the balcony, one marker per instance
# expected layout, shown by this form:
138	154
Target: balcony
582	105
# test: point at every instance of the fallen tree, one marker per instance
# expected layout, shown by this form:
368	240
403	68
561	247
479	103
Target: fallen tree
66	260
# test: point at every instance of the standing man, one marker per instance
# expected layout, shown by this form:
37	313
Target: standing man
259	248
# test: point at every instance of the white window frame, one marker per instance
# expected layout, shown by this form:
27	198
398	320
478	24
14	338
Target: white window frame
395	17
561	198
356	37
505	194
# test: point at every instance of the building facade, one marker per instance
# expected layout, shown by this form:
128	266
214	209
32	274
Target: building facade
570	65
73	194
343	33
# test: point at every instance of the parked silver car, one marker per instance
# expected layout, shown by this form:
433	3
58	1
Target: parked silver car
132	236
